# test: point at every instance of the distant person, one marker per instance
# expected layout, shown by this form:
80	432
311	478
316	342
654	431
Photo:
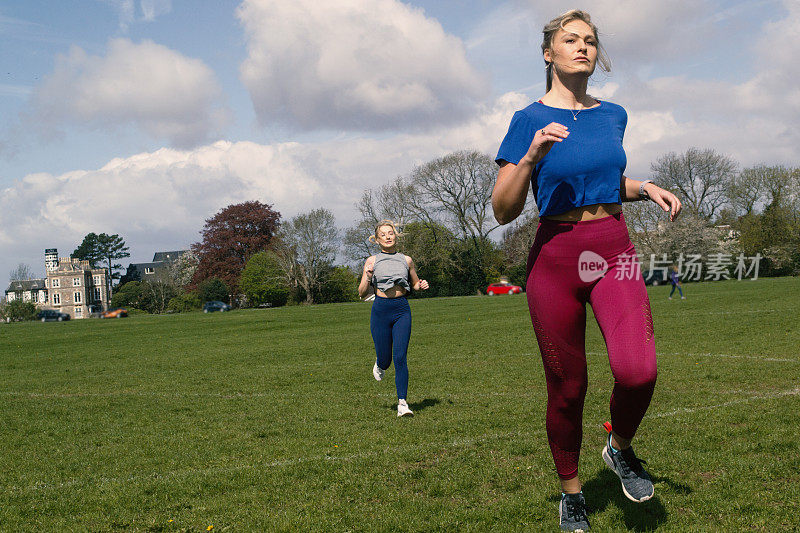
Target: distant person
390	275
676	282
568	147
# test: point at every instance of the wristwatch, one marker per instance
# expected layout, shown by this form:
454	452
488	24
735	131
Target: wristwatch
642	193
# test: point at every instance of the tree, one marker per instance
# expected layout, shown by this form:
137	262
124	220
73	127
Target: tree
516	245
264	281
89	250
156	295
103	248
307	246
340	285
17	311
185	302
213	289
700	177
181	271
456	190
128	295
231	237
22	272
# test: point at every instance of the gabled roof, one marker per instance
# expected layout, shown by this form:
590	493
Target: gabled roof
26	285
168	256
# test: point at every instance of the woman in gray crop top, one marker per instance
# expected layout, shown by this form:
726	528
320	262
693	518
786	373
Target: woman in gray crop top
390	275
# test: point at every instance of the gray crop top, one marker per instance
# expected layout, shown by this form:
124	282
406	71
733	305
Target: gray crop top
390	270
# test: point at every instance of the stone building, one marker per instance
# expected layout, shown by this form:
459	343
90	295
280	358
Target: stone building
72	286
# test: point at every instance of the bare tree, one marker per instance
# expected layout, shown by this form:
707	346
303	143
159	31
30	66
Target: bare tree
645	222
518	238
746	190
456	190
700	177
22	272
307	247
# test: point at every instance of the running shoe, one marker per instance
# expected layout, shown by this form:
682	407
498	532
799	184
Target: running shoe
378	372
403	410
572	513
636	482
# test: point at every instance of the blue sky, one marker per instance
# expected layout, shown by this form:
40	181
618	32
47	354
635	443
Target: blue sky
145	117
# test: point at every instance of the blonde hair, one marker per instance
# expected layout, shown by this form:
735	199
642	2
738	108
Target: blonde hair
558	23
374	237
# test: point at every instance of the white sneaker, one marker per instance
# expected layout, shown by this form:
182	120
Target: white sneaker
403	410
378	372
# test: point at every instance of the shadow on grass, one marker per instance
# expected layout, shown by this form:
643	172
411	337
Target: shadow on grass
605	489
418	406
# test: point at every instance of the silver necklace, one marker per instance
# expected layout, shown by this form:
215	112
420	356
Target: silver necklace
574	114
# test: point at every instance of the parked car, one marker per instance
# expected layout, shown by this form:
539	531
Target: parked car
51	315
117	312
210	307
503	288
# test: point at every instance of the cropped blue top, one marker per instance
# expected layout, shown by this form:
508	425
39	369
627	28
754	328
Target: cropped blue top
584	169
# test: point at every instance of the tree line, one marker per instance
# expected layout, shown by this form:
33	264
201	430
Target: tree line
249	256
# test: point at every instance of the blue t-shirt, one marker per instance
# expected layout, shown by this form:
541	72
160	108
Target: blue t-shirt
583	169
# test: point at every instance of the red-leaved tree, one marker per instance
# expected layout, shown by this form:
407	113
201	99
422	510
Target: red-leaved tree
230	238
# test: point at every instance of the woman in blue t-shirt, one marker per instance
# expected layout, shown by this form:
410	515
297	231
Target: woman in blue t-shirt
568	148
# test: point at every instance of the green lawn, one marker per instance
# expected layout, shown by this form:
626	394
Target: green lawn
270	420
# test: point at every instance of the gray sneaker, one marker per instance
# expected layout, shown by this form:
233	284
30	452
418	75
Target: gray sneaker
572	513
636	483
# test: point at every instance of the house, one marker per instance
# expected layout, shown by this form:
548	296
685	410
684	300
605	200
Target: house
72	286
154	270
27	290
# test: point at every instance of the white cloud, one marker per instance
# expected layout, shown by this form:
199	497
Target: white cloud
354	64
160	199
164	93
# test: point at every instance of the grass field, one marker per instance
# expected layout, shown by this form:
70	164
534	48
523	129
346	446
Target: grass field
270	420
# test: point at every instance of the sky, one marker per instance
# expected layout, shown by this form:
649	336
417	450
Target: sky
146	117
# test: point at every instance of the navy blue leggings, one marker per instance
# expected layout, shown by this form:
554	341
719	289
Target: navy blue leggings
675	286
390	324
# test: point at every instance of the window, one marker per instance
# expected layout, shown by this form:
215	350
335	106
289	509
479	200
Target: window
77	297
34	297
76	282
56	299
56	283
149	270
11	296
96	280
97	294
78	311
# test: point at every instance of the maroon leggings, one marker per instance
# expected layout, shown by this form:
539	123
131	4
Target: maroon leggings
565	271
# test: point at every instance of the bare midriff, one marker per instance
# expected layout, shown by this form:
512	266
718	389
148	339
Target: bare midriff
392	292
587	212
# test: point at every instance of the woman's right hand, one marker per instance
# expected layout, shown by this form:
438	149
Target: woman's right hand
369	267
544	139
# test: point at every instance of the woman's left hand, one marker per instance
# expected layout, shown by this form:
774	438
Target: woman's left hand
668	201
423	285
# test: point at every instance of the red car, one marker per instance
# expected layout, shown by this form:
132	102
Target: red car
503	288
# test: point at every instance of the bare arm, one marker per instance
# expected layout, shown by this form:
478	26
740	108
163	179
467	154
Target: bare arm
511	189
629	190
365	287
416	283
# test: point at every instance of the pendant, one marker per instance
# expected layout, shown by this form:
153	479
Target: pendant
574	117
